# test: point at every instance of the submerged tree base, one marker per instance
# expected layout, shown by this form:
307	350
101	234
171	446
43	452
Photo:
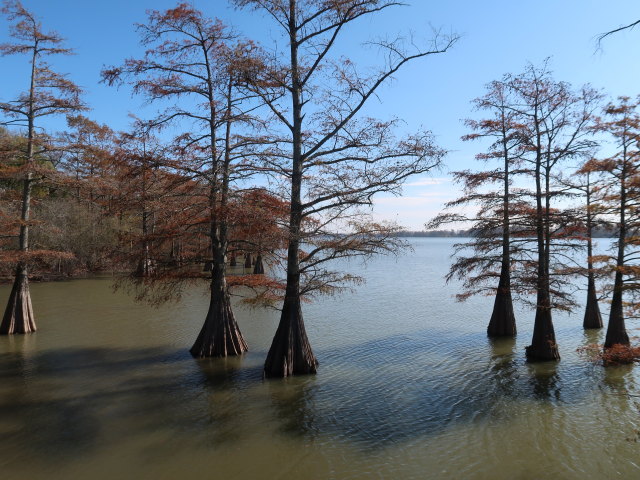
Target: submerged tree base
542	353
543	346
18	316
616	330
592	316
503	321
290	352
220	335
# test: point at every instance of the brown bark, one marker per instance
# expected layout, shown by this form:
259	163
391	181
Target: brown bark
592	316
543	344
290	352
616	330
233	262
220	335
18	316
503	321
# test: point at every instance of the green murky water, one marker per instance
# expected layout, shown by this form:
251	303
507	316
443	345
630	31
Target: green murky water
409	387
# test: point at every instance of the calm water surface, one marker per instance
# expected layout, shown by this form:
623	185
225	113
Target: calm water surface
409	387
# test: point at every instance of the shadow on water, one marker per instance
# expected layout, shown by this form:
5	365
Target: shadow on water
294	402
60	403
226	373
504	366
367	399
619	379
545	381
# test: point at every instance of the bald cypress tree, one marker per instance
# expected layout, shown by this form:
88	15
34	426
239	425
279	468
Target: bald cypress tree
48	93
198	66
621	199
334	158
556	126
493	251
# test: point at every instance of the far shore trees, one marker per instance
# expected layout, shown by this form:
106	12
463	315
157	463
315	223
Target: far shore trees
145	191
48	93
333	158
257	225
200	66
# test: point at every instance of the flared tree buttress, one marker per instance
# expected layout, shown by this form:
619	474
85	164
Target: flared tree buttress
18	316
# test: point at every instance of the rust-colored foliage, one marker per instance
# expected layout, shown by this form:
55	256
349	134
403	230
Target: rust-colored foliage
257	222
615	355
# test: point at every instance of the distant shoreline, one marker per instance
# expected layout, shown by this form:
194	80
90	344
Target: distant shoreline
435	233
598	233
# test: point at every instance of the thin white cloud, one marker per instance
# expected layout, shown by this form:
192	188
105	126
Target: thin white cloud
427	181
434	194
413	201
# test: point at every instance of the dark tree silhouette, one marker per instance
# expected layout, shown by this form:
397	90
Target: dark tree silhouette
629	26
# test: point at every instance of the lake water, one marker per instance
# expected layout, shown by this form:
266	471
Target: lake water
409	387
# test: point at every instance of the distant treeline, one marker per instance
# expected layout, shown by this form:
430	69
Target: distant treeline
436	233
605	231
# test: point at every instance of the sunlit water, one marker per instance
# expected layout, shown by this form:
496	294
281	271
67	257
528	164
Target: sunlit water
409	387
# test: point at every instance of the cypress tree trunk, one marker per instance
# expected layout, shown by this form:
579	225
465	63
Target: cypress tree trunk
616	330
233	262
592	316
247	260
290	352
18	316
503	321
258	268
543	344
220	335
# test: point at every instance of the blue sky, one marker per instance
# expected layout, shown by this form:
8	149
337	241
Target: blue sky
497	37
